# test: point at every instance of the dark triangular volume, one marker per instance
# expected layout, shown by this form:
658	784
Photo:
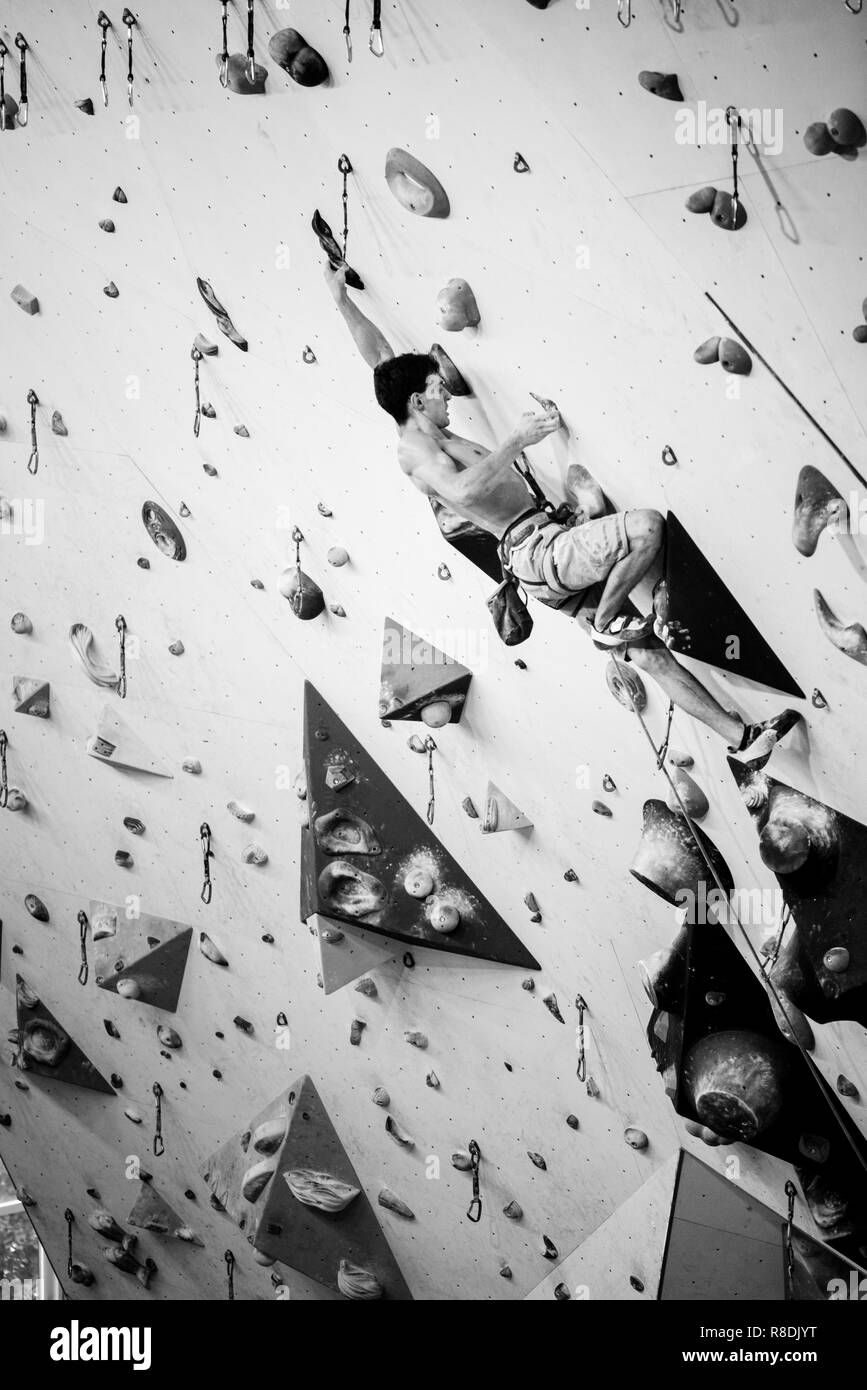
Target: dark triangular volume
821	1275
152	1212
149	950
416	674
294	1137
825	893
46	1049
695	597
364	839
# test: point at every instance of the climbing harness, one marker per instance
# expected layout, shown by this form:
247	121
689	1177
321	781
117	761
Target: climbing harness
207	856
791	1192
474	1210
120	624
104	23
813	421
197	419
345	168
230	1273
224	52
130	21
734	917
70	1221
734	123
83	969
33	461
375	43
158	1146
23	107
4	776
251	29
581	1006
430	749
624	7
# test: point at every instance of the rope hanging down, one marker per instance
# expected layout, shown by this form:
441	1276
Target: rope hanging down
33	461
104	23
23	105
733	916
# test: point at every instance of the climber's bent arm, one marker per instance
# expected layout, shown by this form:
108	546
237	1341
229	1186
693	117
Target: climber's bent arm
434	473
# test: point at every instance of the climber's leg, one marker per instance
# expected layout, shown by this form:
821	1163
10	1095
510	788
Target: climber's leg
644	535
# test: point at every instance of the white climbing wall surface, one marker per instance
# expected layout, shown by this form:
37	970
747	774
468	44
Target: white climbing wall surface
590	277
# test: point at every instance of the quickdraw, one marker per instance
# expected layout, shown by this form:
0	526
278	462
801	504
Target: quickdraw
375	43
4	775
197	419
791	1193
83	969
624	7
474	1210
158	1145
120	624
104	23
230	1273
733	118
581	1006
3	52
430	749
251	29
207	856
23	105
69	1218
33	461
224	52
345	168
130	21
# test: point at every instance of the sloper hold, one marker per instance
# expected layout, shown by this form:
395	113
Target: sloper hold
291	52
848	638
48	1049
147	950
694	596
669	862
501	813
818	505
407	843
276	1224
238	76
357	953
414	186
152	1212
415	674
824	890
661	84
116	742
31	696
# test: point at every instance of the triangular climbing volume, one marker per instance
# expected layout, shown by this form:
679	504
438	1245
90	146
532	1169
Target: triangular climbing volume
148	953
415	674
46	1049
288	1182
719	631
117	742
152	1212
346	953
369	859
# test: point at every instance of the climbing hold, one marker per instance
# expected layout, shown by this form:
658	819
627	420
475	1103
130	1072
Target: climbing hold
57	425
415	1039
163	531
343	832
210	951
304	594
573	1121
685	795
25	300
836	960
36	907
453	380
437	714
192	765
818	505
845	128
860	333
550	1002
734	1081
601	809
626	686
519	164
31	696
367	987
501	813
123	859
386	1198
529	984
414	186
143	564
337	556
469	808
457	307
21	624
679	759
205	346
702	200
669	861
537	1160
351	892
851	639
337	609
505	1271
432	1080
847	1087
462	1161
242	431
415	743
254	854
815	1147
119	196
16	800
818	700
128	989
238	75
381	1097
708	351
443	572
256	584
224	323
571	876
106	225
291	52
399	1135
309	356
734	358
111	290
722	214
561	1293
608	783
85	106
320	1190
818	138
183	510
550	1250
636	1138
669	457
443	916
241	812
357	1283
167	1036
661	84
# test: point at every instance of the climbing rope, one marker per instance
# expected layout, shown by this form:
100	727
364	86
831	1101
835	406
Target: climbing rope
375	43
120	624
83	969
346	33
224	53
230	1273
130	21
104	23
197	420
345	168
581	1006
430	749
70	1221
734	123
791	1193
662	750
23	108
33	461
474	1210
4	775
158	1145
251	29
733	915
207	856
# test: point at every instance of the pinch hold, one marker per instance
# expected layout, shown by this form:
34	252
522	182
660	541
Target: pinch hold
661	84
702	200
734	358
708	351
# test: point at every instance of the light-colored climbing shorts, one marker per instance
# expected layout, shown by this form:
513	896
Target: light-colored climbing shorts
557	563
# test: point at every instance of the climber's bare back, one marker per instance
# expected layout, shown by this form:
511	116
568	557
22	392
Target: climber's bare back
432	460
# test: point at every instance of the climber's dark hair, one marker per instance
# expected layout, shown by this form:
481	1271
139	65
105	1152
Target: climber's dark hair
398	378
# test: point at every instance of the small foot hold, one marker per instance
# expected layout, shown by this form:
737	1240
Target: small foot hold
762	739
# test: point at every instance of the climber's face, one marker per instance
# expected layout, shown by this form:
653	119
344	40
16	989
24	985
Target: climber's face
436	401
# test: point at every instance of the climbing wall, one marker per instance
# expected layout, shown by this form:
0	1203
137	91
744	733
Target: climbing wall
591	279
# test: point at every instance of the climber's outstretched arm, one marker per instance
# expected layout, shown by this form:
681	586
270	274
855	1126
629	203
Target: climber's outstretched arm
371	343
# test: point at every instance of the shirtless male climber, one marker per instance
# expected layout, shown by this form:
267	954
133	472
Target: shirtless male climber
597	557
